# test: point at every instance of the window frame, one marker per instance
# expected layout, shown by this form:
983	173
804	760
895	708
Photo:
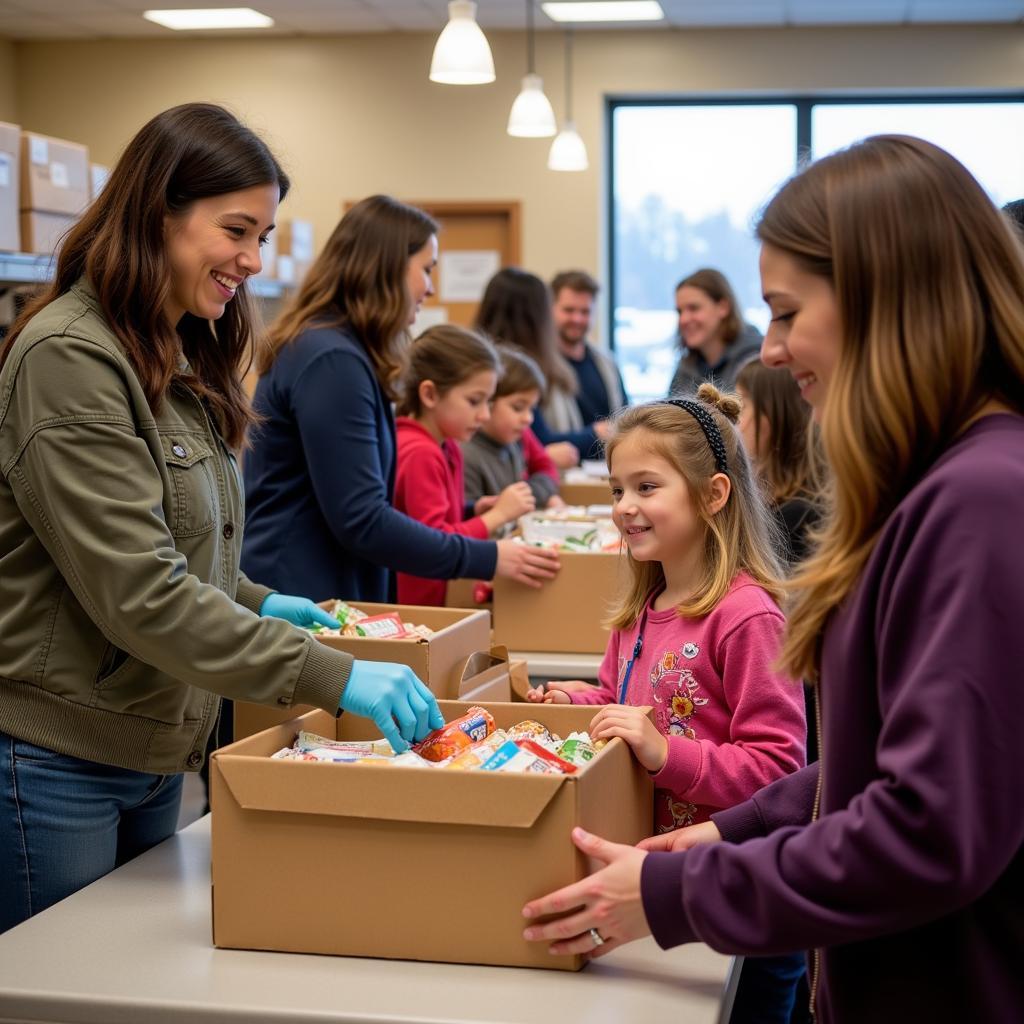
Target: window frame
804	103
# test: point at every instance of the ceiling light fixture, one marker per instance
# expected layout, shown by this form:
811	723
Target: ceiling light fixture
605	10
531	116
568	152
461	54
209	18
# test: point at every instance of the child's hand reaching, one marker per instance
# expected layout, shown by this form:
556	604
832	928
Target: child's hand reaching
632	725
537	695
514	501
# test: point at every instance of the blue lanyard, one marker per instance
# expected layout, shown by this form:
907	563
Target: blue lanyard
637	648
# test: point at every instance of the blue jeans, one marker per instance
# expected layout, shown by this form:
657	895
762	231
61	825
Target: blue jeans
65	822
768	988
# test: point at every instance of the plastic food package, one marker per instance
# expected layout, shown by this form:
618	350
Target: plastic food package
527	756
531	730
569	529
479	754
458	735
576	750
356	623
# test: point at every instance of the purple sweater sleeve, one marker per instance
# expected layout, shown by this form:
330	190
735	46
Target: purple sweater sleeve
941	819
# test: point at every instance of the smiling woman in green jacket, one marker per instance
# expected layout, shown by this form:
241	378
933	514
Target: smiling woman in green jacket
123	614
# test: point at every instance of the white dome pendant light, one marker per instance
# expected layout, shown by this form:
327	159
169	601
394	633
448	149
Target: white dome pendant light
568	152
531	116
461	54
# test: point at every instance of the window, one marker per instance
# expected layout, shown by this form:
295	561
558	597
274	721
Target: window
688	179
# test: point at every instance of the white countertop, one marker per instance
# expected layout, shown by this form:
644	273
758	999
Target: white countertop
559	666
135	947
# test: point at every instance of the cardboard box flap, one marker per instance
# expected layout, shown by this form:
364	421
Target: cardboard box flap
480	661
386	793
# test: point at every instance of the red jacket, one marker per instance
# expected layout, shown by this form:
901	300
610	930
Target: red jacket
428	487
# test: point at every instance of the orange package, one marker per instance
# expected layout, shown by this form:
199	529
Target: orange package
458	735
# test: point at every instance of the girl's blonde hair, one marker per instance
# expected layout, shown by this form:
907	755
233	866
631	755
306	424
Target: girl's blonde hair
929	285
740	537
448	356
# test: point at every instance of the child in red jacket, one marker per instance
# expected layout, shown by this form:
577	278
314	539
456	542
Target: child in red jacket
449	380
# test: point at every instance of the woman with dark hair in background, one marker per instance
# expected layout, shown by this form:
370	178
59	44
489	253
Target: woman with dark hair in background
123	613
516	310
320	478
715	340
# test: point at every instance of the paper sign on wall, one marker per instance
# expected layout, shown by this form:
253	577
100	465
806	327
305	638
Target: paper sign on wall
465	273
5	171
38	150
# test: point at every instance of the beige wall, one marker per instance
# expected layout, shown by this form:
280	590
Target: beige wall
353	115
8	92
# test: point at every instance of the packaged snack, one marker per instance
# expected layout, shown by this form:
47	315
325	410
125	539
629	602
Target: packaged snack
409	759
311	741
478	754
381	627
459	734
527	756
530	730
576	751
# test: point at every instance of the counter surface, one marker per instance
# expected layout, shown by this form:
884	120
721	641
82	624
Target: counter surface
135	947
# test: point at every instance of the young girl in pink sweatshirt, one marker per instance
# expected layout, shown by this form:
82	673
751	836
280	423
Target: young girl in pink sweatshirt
697	636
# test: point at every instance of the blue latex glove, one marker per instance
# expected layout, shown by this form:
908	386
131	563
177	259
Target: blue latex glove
299	611
400	705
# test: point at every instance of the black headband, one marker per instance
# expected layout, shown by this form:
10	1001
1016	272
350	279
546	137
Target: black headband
707	423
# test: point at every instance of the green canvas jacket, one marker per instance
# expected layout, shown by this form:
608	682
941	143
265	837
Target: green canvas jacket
123	613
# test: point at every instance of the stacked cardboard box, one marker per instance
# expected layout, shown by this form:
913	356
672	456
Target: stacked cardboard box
55	189
10	196
295	250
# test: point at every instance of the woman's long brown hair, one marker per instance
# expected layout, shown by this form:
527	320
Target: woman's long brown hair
516	310
189	152
358	282
929	285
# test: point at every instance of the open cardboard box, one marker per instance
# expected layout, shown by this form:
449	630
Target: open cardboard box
458	632
566	615
597	491
406	863
487	675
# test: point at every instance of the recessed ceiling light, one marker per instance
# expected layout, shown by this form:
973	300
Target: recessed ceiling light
210	18
605	10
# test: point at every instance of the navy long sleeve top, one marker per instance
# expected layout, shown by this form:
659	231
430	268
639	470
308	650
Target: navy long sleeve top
320	478
586	440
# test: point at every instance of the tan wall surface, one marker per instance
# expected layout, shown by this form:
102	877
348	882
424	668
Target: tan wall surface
8	76
354	115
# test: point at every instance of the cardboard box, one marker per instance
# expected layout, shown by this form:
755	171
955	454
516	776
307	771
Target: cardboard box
295	239
463	593
98	174
54	174
485	676
406	863
565	616
590	492
438	661
10	194
42	232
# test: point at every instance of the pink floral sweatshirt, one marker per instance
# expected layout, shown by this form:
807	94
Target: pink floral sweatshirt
733	723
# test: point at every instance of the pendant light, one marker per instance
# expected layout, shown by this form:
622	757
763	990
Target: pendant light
568	152
531	116
461	54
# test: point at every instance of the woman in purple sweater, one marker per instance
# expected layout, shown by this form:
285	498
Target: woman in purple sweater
897	300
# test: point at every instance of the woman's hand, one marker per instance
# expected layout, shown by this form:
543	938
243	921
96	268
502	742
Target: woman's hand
525	564
682	838
632	725
608	901
563	454
603	429
299	611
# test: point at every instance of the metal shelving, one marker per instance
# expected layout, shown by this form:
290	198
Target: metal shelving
26	268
